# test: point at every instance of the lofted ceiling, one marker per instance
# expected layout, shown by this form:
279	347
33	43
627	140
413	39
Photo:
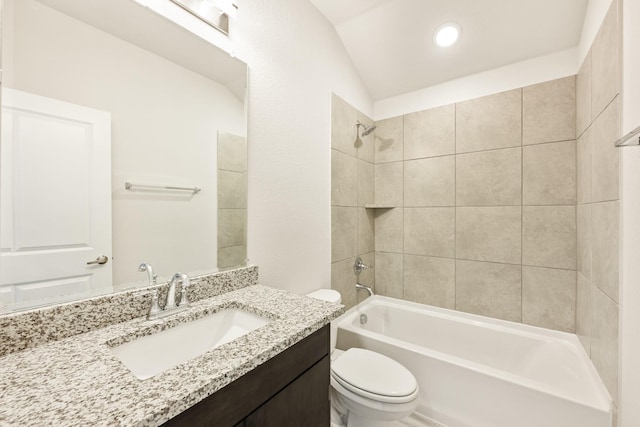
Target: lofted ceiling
391	41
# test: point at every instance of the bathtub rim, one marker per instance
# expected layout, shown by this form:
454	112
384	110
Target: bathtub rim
601	398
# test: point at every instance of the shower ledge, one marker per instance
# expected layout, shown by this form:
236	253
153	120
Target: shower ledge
378	206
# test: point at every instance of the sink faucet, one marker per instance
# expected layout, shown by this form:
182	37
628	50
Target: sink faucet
171	294
145	266
366	288
170	305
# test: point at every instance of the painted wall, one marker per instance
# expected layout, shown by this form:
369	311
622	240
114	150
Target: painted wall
156	107
514	76
295	61
629	415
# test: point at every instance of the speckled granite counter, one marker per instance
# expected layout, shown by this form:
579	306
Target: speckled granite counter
77	381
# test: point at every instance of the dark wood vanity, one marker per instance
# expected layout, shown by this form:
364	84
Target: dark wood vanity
290	389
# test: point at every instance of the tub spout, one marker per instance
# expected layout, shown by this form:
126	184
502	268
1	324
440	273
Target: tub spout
366	288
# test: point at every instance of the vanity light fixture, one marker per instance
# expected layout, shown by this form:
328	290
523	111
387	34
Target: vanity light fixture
214	12
447	34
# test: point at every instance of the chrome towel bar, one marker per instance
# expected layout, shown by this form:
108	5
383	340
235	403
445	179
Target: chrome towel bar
630	139
130	186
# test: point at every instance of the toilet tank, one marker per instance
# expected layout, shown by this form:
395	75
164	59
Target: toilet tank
333	296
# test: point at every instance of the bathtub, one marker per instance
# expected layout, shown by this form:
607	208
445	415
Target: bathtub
475	371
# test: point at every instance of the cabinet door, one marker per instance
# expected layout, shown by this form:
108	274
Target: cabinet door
305	402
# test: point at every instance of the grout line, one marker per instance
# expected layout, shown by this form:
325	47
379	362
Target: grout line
455	203
521	204
403	201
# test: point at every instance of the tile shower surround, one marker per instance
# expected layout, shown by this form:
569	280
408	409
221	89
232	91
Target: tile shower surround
352	187
507	205
485	196
598	118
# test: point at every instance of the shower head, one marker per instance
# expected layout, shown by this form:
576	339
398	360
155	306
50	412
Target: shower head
367	129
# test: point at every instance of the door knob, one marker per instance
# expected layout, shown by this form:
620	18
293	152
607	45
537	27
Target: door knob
102	259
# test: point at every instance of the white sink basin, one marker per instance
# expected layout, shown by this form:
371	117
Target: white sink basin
152	354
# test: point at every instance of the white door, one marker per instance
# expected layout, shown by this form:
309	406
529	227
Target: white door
55	199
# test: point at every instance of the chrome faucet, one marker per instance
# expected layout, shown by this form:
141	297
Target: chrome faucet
366	288
171	294
170	305
358	266
145	266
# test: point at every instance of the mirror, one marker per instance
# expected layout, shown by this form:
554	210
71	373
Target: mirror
96	94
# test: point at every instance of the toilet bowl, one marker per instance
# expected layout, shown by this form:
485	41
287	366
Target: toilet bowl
368	389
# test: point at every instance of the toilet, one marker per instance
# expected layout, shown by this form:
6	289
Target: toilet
368	389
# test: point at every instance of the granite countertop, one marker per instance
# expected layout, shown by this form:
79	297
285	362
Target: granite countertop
77	381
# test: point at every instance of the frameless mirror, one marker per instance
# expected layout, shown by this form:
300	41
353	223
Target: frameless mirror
111	119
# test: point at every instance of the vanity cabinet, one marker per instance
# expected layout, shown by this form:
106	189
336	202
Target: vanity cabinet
290	389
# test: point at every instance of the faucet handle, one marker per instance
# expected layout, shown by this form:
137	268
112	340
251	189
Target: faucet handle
154	309
358	266
184	301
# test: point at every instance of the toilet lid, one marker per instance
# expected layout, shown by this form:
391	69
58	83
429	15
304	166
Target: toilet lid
373	373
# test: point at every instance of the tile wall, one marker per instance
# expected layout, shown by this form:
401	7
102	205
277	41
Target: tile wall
485	196
352	187
598	126
232	200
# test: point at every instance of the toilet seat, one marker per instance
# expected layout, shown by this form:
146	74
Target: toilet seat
374	376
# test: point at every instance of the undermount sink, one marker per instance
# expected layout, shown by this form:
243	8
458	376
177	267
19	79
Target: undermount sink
152	354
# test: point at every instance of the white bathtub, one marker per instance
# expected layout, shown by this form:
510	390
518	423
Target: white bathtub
475	371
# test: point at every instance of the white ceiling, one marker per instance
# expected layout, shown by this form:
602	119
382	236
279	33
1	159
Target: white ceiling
390	41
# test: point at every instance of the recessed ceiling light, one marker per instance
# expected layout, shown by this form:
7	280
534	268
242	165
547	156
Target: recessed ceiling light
447	34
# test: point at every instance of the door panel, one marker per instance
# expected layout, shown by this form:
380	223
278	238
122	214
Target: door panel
56	200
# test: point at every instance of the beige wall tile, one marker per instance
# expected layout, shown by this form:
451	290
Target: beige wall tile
388	183
489	234
366	236
430	132
430	280
549	236
489	289
604	342
584	240
549	174
583	96
429	182
605	245
605	160
232	224
493	121
343	280
584	312
232	152
343	126
583	175
344	233
389	137
388	230
606	62
430	231
549	298
489	178
549	111
366	144
389	274
366	183
232	189
232	256
344	179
